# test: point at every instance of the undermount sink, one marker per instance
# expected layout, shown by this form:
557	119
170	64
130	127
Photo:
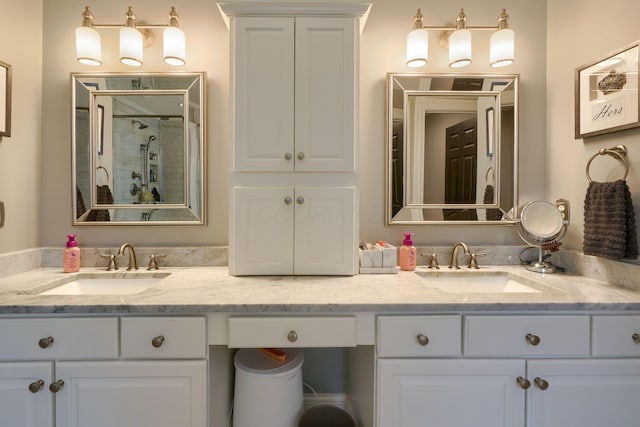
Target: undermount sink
476	283
102	284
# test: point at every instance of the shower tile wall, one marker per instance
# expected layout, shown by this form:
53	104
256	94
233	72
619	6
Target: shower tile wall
172	170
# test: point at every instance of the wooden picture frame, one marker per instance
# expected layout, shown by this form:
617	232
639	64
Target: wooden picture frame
5	99
606	93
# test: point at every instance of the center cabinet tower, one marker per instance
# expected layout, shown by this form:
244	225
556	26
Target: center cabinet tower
294	102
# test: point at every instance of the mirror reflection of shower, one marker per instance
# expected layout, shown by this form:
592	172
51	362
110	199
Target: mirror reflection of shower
139	123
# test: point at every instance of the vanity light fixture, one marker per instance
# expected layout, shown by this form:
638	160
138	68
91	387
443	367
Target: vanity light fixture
501	49
89	49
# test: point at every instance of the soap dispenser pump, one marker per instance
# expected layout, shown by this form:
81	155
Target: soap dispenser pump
407	254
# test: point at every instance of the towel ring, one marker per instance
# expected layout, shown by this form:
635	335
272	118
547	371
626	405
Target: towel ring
493	175
619	151
105	171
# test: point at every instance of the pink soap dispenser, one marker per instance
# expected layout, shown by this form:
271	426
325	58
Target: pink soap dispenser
407	254
71	257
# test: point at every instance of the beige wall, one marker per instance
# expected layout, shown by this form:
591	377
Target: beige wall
382	51
20	171
580	32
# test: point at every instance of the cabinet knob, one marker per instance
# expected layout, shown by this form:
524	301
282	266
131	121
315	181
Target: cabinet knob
523	383
288	156
422	339
292	336
300	200
300	155
157	341
636	338
45	342
288	200
533	339
541	384
36	386
55	387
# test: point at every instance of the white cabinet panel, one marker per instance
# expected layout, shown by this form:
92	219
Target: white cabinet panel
325	93
263	95
131	394
584	393
616	336
451	393
269	221
20	407
163	337
69	338
293	331
419	336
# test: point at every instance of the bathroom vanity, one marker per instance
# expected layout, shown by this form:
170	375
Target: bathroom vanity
560	349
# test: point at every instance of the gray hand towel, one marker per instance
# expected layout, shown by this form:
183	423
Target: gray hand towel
609	221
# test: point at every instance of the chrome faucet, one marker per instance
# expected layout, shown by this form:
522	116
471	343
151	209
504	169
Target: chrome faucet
453	261
133	263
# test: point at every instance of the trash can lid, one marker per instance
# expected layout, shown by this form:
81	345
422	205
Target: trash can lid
254	360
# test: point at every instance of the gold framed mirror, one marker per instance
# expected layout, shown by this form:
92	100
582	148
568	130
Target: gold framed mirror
138	147
451	149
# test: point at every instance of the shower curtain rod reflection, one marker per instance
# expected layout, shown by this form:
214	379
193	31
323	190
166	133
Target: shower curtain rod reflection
151	116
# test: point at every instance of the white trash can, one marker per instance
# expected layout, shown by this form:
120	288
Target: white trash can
268	393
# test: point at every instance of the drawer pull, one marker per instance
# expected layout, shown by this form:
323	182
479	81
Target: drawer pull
288	156
157	341
35	386
541	384
292	336
533	339
56	386
422	339
523	383
288	200
45	342
300	155
636	338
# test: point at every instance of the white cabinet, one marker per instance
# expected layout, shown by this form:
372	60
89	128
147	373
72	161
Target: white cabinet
24	398
452	393
294	94
131	394
548	364
69	372
584	393
287	230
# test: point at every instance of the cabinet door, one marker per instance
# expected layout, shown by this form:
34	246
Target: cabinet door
131	394
325	94
20	406
325	237
262	235
263	76
451	393
584	393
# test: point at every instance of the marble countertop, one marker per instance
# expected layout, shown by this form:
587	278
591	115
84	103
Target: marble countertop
193	290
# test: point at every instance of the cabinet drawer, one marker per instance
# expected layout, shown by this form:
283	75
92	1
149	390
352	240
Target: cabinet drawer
526	336
292	331
66	338
616	336
416	336
163	337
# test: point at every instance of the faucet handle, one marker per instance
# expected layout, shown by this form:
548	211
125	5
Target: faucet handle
153	261
113	265
473	260
433	261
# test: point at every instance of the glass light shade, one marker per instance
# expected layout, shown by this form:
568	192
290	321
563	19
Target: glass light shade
501	48
88	48
417	48
131	46
173	45
460	48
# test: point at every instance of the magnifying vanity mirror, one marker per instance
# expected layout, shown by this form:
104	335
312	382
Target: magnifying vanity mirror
451	148
138	148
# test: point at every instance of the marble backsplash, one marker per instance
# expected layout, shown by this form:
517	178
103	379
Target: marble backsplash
623	274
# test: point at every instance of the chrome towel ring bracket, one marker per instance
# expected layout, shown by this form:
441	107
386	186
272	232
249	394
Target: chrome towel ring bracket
619	152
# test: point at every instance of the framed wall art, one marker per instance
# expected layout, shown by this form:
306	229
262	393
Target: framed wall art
606	93
5	99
